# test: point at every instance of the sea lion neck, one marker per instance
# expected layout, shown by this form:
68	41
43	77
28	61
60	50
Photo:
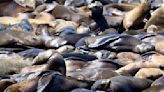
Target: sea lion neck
56	62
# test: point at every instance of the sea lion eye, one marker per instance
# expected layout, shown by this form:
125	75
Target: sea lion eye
34	39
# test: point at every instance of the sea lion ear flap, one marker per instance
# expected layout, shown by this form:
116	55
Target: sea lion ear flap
44	81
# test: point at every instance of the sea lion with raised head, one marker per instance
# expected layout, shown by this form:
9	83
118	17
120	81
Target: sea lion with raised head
136	15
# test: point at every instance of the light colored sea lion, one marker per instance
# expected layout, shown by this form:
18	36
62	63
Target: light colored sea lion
154	29
43	57
132	68
33	68
156	18
120	6
136	15
65	49
128	57
150	73
12	63
159	47
29	3
158	59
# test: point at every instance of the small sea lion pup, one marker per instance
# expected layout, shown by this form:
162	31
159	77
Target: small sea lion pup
136	15
157	18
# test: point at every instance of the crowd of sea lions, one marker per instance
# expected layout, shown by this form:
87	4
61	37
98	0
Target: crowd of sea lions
81	45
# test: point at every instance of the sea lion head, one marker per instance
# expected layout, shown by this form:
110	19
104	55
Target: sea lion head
144	47
56	62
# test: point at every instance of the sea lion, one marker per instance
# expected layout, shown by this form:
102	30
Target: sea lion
132	68
128	57
121	42
96	74
30	53
97	15
159	81
81	90
33	68
43	57
28	85
120	6
12	63
104	54
66	49
156	18
29	3
58	83
66	14
9	5
154	29
50	41
56	62
74	64
4	83
158	88
159	47
136	15
154	74
122	84
72	39
84	57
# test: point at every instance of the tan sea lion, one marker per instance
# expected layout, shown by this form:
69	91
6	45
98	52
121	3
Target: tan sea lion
128	57
62	12
12	63
121	6
136	15
132	68
150	73
156	18
159	47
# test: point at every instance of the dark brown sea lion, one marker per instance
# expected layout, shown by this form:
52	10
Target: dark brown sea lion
10	8
5	83
156	18
136	15
122	84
